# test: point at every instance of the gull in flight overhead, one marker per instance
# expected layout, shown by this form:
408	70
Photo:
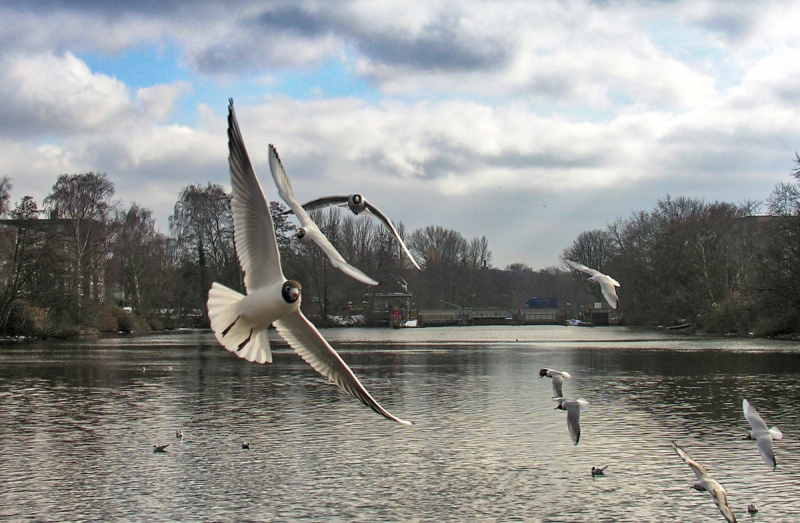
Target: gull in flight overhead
707	483
761	434
240	322
607	283
358	204
573	408
309	232
558	380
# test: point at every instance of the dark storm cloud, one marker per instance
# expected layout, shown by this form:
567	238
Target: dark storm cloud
149	7
293	18
437	48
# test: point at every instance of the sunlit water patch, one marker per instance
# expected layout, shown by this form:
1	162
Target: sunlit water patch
79	421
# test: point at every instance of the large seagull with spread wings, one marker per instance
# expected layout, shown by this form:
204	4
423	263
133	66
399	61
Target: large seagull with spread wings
240	322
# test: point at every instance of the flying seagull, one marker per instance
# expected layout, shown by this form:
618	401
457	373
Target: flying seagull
607	283
558	380
240	322
358	204
309	232
707	483
761	434
573	408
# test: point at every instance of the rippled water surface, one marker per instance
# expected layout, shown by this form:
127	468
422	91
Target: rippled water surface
79	420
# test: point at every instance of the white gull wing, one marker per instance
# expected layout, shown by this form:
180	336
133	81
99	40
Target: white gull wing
306	340
719	494
254	233
607	283
574	423
706	482
558	381
698	469
609	292
319	203
311	229
761	434
383	218
574	408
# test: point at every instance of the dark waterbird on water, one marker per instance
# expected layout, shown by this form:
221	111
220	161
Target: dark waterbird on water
160	448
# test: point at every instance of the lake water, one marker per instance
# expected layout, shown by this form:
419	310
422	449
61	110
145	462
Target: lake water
79	419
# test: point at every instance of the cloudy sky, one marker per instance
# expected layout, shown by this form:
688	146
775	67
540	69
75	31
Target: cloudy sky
526	122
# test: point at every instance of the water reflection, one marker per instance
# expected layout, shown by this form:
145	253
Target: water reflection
80	419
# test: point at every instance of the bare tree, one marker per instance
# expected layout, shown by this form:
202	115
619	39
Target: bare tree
84	200
23	255
140	259
202	223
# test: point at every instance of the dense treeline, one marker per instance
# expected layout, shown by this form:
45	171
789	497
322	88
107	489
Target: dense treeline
714	265
85	264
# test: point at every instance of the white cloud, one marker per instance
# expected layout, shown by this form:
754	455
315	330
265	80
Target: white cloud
548	117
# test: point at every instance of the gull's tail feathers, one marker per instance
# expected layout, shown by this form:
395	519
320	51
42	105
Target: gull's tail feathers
775	433
231	330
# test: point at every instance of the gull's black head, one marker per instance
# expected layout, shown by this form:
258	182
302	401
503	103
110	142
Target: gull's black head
291	291
749	436
543	373
357	198
560	406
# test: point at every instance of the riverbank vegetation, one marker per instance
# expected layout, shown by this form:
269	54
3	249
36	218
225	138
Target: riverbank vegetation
84	264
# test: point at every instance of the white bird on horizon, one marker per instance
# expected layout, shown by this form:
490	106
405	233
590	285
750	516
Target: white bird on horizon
558	380
358	204
707	483
573	408
607	283
761	434
309	232
240	322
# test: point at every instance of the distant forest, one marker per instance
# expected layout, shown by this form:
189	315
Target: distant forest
82	264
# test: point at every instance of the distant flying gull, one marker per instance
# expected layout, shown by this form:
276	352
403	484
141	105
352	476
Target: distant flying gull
309	232
573	408
607	283
160	448
599	471
558	379
707	483
240	322
358	204
761	434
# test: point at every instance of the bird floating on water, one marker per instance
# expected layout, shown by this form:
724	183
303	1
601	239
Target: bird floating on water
558	380
160	448
599	471
761	434
179	434
707	483
573	408
358	204
752	508
246	445
240	322
607	283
